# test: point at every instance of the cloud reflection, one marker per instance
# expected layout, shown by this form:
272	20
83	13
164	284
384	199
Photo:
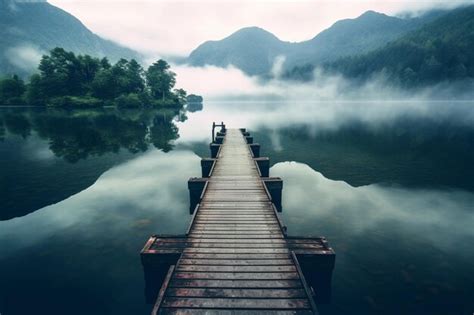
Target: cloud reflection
147	193
310	201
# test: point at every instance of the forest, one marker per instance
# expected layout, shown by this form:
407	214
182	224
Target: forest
66	80
440	51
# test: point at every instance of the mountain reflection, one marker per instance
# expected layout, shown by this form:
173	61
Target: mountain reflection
77	135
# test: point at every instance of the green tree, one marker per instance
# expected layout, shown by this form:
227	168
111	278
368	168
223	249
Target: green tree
160	79
135	73
58	73
181	95
11	91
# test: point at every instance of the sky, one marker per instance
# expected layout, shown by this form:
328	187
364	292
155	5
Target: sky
175	27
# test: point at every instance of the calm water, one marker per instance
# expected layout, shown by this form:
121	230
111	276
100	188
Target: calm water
389	184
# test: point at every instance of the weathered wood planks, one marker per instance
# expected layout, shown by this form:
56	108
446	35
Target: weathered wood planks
236	257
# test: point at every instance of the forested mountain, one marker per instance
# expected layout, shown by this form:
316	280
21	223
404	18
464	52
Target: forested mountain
29	29
442	50
251	49
254	50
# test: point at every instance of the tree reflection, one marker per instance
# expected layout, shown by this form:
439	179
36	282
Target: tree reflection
76	135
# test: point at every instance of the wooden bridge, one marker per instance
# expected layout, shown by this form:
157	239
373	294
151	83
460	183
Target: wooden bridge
236	257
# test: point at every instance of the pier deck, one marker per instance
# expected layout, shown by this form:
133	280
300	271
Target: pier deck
235	258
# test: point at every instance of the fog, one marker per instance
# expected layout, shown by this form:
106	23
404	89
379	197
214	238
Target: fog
25	56
231	83
322	115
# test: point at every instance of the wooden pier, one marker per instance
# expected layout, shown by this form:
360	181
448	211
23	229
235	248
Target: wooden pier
236	257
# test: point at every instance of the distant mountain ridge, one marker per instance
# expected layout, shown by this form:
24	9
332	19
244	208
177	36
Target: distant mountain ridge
253	50
439	51
31	28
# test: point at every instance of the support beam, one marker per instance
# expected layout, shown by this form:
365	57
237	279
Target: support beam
263	164
196	188
156	260
255	149
219	139
274	187
317	265
214	149
206	166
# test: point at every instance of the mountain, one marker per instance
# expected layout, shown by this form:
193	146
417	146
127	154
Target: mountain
442	50
29	29
254	50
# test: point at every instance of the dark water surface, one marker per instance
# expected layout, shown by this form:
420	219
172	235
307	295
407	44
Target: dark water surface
390	185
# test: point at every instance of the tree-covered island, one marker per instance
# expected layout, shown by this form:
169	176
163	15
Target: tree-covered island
67	80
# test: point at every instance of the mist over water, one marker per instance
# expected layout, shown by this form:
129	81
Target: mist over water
231	83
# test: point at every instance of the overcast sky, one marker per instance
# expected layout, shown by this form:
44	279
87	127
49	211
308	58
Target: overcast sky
176	27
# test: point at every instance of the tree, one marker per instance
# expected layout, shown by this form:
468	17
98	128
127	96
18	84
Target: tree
160	79
34	93
134	72
181	95
58	73
11	90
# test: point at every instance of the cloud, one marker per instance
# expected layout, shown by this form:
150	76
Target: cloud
277	68
24	56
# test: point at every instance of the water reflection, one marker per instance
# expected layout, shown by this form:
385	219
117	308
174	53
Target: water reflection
85	248
76	135
408	144
400	251
48	155
403	248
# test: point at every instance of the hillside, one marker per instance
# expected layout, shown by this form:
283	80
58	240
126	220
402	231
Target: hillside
29	29
253	50
442	50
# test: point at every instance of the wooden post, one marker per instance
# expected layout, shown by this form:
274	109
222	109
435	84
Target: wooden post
214	149
156	260
249	139
206	166
213	127
255	148
196	187
274	186
263	164
219	139
317	261
243	130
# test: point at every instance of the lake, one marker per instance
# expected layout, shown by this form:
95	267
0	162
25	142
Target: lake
390	184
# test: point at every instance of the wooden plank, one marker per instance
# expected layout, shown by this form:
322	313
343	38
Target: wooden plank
236	293
162	292
206	268
236	303
233	256
198	250
244	284
210	311
236	262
